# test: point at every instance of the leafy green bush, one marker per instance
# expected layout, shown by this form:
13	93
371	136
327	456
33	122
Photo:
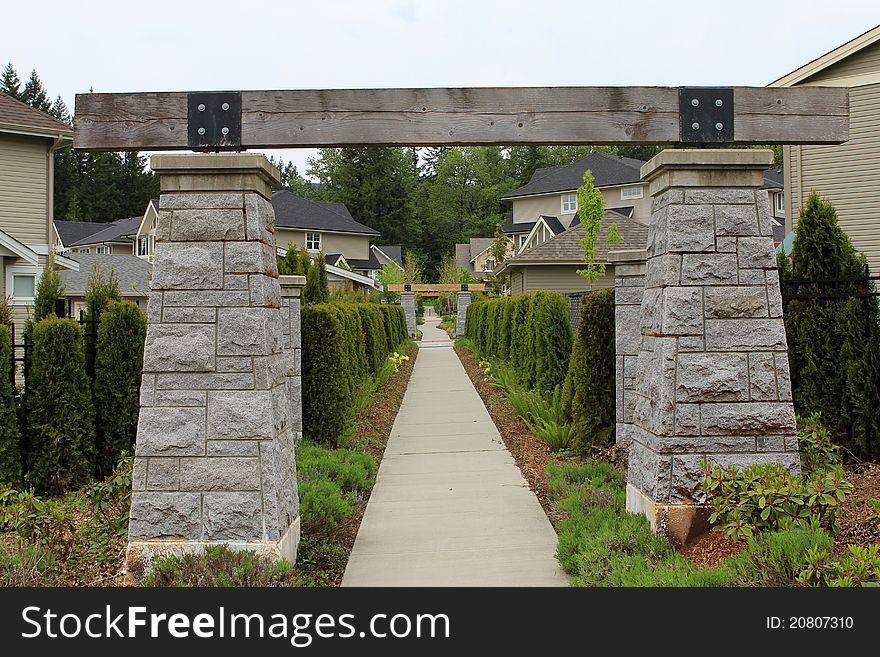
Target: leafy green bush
118	368
591	374
61	446
859	567
777	558
767	497
10	438
328	482
817	451
544	413
323	503
219	566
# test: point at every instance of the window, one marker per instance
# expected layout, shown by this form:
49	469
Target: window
489	265
103	249
569	203
145	246
86	250
779	201
521	240
631	192
21	281
313	241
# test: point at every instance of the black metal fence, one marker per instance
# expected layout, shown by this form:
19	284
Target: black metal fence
833	288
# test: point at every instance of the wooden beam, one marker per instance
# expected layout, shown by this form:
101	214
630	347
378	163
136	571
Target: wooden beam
433	117
436	288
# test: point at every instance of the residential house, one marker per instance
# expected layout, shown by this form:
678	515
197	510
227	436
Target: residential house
132	272
774	185
848	175
28	141
475	257
547	205
554	263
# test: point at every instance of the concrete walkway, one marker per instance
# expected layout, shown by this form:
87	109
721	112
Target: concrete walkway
450	506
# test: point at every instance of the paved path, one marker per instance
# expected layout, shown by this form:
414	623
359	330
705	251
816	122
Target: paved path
450	506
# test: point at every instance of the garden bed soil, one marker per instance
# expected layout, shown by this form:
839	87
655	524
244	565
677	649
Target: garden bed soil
860	522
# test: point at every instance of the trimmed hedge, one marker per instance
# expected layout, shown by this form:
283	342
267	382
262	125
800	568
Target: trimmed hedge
10	438
61	418
591	378
342	344
530	331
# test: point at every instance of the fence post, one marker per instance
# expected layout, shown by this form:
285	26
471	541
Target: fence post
464	300
408	301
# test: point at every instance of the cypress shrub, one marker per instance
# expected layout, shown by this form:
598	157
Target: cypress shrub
100	293
60	413
118	367
390	326
518	333
317	289
833	343
375	344
552	331
590	384
326	389
10	438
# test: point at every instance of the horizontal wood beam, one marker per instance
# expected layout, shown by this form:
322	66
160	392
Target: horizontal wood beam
469	116
436	288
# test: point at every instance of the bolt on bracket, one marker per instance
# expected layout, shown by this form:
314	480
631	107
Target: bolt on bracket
214	120
706	115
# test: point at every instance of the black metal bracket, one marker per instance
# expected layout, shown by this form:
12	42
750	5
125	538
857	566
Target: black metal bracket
407	287
706	115
464	287
214	120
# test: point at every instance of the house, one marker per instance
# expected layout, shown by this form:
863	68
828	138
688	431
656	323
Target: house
546	206
132	272
774	185
848	175
554	263
475	257
28	141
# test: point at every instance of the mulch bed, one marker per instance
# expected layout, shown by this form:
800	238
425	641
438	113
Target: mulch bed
372	430
860	523
709	549
530	454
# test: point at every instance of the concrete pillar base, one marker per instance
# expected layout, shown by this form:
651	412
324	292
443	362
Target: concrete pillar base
680	523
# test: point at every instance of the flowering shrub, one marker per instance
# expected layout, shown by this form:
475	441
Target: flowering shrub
397	360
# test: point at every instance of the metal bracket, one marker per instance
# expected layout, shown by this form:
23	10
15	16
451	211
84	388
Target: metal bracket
706	115
407	287
464	287
214	120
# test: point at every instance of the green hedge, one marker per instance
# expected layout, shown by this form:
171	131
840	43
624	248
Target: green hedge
10	438
591	380
531	331
342	344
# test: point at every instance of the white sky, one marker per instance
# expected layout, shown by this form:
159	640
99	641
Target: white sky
159	45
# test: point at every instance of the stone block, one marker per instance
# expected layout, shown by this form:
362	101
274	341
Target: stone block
725	244
655	387
264	291
154	307
691	343
658	234
188	266
688	475
210	298
720	196
712	377
148	390
194	201
164	431
180	397
627	335
139	474
166	515
648	471
745	335
189	315
628	295
179	348
650	316
733	301
666	198
295	415
260	217
245	258
762	377
235	364
682	309
243	332
687	419
770	443
163	474
240	415
219	473
774	294
233	516
235	282
163	227
756	253
751	276
206	381
747	418
207	225
709	269
233	448
783	376
765	216
736	220
690	228
663	271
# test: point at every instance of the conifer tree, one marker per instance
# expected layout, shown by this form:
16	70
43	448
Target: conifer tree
34	94
10	439
317	289
10	83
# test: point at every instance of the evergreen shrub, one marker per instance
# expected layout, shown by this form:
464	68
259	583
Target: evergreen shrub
10	438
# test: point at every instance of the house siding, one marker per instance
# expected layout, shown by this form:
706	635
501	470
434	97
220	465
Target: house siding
529	209
24	185
848	175
864	62
562	278
350	246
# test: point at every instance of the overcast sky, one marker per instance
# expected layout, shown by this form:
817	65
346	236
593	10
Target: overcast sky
172	46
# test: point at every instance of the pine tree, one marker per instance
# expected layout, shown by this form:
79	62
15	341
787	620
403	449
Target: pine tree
59	110
10	439
118	367
61	446
10	84
35	95
74	211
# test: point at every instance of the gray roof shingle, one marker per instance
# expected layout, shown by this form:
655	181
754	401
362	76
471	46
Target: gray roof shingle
394	252
73	231
774	179
292	211
16	114
133	273
120	230
607	170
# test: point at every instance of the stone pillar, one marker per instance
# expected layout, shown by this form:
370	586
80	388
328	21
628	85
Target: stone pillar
464	300
574	309
712	381
408	301
629	287
215	447
291	289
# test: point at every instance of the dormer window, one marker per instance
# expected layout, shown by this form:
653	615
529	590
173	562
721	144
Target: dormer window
313	241
569	203
489	265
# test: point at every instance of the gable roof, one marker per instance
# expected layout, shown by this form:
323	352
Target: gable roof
566	247
9	246
19	117
828	59
133	273
520	227
365	263
774	179
73	231
292	211
115	231
463	255
624	212
607	170
395	252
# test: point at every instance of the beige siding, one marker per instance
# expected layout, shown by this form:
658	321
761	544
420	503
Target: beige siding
529	209
864	62
516	282
562	278
350	246
848	175
24	176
